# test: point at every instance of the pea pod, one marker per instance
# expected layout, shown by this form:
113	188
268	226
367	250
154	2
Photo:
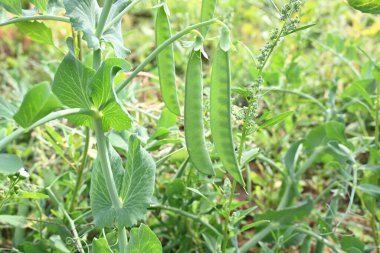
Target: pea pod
207	13
165	62
194	128
220	112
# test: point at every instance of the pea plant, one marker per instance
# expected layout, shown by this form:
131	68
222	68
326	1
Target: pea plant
88	91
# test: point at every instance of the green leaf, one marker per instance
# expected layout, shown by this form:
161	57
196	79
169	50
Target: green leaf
370	189
33	195
114	34
366	6
71	83
100	246
114	115
288	215
143	240
13	220
13	6
83	16
10	164
276	119
7	110
40	4
135	186
225	40
291	157
323	134
360	89
32	109
37	31
352	244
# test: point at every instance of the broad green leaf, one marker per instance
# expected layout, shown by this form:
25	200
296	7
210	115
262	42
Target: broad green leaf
360	89
143	240
366	6
288	215
276	119
33	195
370	189
84	16
102	92
37	31
323	134
40	4
100	246
135	186
13	6
37	103
352	244
13	220
10	164
7	110
71	83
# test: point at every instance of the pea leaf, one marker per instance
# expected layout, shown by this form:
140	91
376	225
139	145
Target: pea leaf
32	109
114	35
7	110
352	244
143	240
103	94
71	83
135	186
366	6
13	220
288	215
83	16
38	32
13	6
10	164
40	4
33	195
100	246
370	189
276	119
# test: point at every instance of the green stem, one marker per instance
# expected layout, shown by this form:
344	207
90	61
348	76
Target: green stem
81	169
105	163
227	218
377	115
50	117
33	18
120	15
103	18
375	234
122	239
155	52
258	237
188	215
76	237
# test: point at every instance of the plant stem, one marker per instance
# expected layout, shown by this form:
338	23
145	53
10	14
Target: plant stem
122	239
49	117
155	52
81	169
103	18
105	163
375	234
377	127
186	214
227	218
121	14
39	17
76	238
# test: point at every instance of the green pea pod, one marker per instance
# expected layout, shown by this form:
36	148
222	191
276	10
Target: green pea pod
194	128
207	13
220	113
165	62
